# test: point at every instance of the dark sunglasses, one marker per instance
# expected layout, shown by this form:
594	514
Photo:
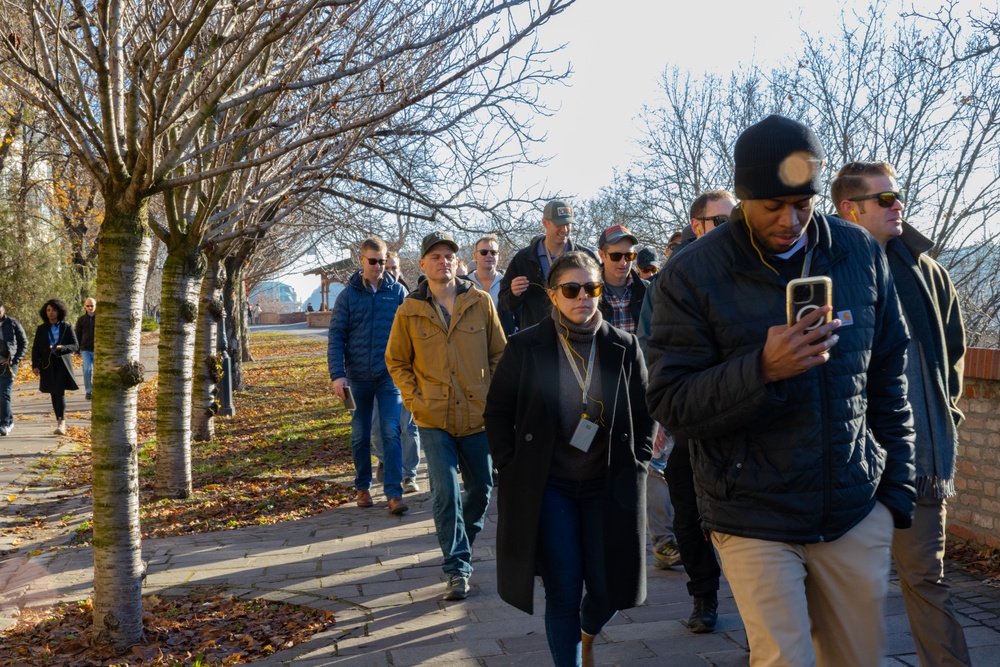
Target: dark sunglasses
373	261
715	219
617	257
571	290
673	246
885	199
489	252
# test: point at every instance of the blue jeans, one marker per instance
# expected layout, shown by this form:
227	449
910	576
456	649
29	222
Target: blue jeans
88	371
458	517
7	375
409	441
366	392
571	553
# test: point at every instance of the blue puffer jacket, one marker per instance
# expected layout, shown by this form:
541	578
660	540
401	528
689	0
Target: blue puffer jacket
359	329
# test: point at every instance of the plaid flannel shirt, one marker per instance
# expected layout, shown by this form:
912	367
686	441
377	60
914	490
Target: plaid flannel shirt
621	318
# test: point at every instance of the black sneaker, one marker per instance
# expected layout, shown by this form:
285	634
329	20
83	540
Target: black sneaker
705	614
458	587
89	396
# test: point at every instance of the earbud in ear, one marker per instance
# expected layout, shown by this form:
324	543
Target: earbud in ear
854	216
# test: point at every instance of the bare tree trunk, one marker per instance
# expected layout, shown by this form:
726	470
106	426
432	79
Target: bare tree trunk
204	397
124	243
236	314
183	272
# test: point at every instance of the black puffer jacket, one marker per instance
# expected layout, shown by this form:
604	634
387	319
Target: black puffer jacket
804	459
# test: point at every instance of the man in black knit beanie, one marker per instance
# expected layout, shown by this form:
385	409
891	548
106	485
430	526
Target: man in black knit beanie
801	436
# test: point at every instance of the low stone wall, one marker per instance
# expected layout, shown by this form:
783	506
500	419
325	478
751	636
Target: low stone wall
974	514
282	318
319	319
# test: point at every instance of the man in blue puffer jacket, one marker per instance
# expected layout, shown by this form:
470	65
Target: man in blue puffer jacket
801	440
359	330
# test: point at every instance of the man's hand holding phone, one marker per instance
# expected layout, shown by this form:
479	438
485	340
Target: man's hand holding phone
791	350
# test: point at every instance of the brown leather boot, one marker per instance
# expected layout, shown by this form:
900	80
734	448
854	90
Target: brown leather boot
364	498
588	649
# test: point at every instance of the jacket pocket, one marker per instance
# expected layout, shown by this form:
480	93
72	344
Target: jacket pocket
430	404
476	397
719	476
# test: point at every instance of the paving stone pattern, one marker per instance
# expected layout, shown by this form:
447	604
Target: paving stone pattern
381	576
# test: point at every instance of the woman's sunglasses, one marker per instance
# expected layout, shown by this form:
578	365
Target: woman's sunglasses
571	290
885	199
485	252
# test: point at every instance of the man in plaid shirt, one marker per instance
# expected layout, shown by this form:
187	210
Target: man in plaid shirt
624	290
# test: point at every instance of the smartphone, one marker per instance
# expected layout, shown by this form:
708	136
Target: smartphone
804	295
349	399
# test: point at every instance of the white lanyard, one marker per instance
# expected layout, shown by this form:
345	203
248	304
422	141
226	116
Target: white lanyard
584	384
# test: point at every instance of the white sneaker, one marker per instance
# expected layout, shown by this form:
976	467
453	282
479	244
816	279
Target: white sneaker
60	427
3	430
410	485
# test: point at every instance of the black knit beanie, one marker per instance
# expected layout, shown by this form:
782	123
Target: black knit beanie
777	157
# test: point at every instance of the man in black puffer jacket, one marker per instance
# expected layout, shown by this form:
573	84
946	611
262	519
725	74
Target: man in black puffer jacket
802	441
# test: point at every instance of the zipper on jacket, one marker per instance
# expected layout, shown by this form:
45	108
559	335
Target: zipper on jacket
827	465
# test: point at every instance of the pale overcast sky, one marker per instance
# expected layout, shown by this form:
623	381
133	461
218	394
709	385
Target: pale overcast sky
618	52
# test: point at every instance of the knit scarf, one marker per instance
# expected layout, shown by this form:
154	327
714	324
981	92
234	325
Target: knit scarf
577	333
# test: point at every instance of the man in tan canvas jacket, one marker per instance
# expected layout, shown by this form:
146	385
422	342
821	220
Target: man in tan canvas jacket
445	343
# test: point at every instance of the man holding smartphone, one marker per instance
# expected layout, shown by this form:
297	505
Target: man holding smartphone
359	332
867	193
801	440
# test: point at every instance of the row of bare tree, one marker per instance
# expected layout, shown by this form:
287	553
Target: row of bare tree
911	90
240	134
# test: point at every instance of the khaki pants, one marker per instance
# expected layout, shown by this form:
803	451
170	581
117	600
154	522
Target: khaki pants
919	556
813	604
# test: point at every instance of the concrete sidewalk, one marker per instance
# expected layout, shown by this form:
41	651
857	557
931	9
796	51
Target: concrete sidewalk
381	577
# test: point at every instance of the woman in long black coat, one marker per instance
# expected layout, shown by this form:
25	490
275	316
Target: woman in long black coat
52	358
575	517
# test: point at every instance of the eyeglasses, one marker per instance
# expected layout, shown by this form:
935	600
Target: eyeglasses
485	252
618	256
571	290
885	199
373	261
715	219
673	246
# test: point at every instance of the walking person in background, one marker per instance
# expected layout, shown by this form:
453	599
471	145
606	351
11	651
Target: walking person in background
84	331
522	290
52	358
359	329
867	193
488	277
569	430
13	346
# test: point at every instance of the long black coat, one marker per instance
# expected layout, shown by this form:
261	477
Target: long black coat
56	368
520	416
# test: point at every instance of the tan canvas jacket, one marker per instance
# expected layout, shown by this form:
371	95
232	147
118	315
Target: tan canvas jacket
444	374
